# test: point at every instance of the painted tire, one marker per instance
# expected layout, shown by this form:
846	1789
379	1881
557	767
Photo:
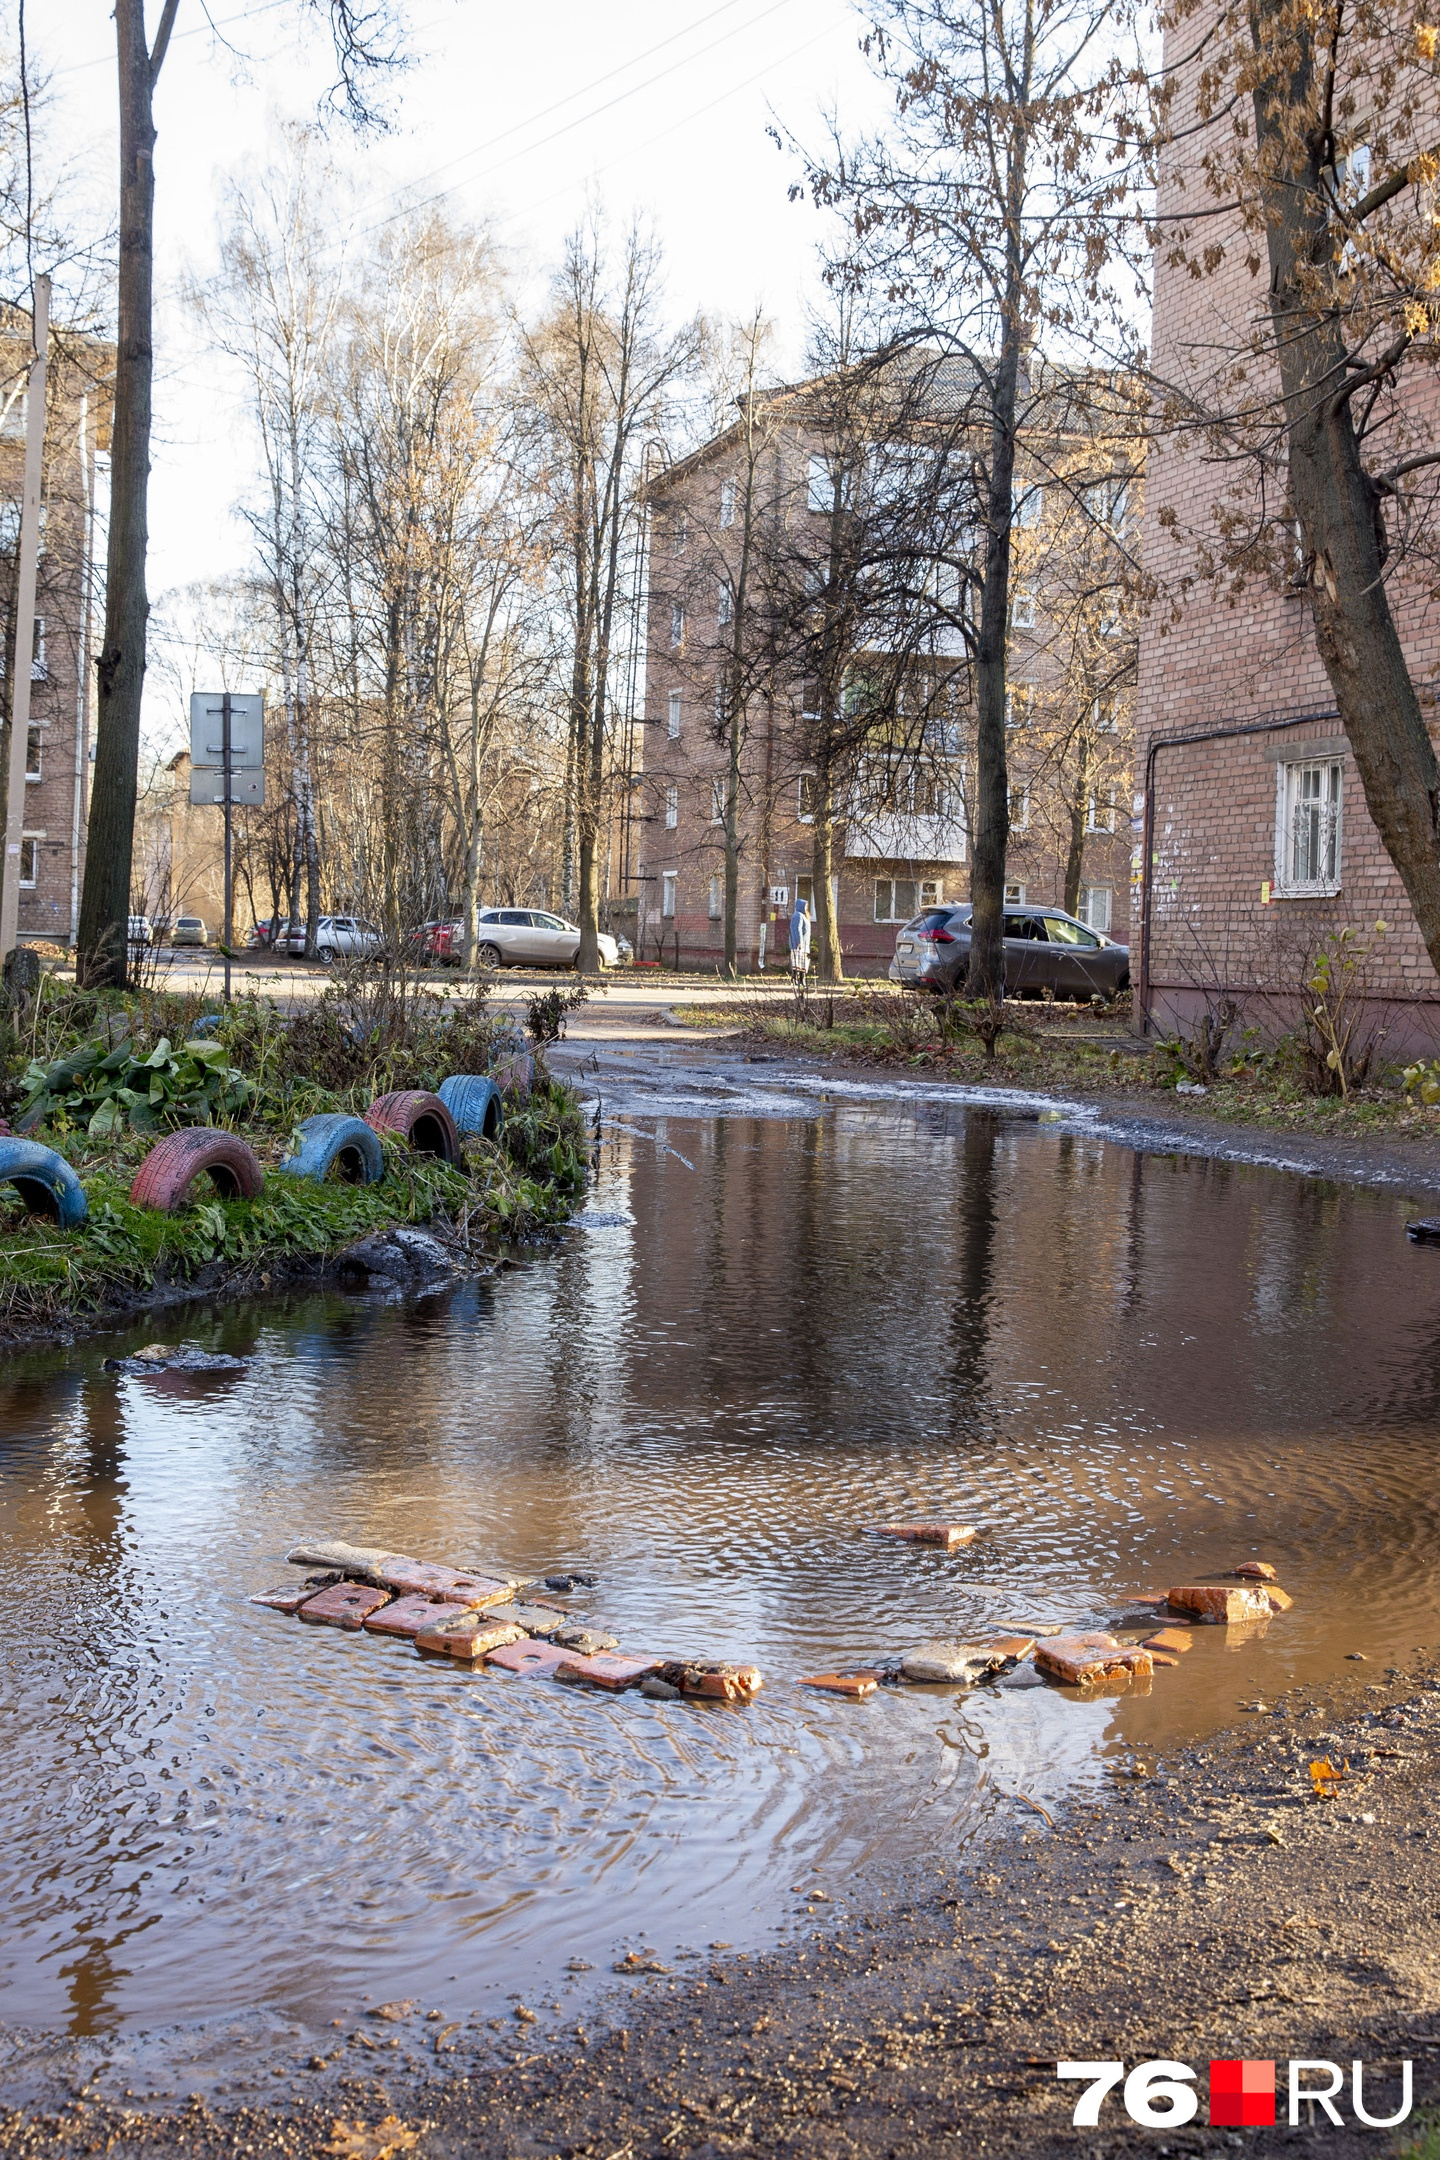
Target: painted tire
44	1180
173	1164
514	1073
474	1104
205	1025
419	1117
334	1141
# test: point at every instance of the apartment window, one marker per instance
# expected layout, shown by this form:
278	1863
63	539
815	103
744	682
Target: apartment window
1022	608
30	861
722	699
679	532
1094	907
677	623
15	414
1020	808
895	899
1307	827
932	892
820	485
667	893
805	798
1014	896
1102	716
717	898
33	767
1100	812
1018	697
727	502
717	800
1027	506
39	672
724	604
673	727
672	808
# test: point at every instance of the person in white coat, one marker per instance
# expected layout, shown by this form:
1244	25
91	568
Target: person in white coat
800	938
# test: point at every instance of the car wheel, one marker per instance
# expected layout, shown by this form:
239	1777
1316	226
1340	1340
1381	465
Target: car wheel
489	956
325	954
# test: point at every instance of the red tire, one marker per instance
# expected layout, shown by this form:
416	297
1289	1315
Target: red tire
170	1169
414	1114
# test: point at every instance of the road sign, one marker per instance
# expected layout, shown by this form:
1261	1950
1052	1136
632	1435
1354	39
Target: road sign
247	789
247	731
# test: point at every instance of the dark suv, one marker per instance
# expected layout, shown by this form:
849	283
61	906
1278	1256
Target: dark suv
1045	949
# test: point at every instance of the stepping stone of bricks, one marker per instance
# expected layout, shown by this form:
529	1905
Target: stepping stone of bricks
409	1615
346	1604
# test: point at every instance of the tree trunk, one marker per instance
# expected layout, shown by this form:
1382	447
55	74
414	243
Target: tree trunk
831	968
1339	508
1075	857
102	957
732	847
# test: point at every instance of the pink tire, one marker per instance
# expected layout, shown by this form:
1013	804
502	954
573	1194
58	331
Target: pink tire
165	1177
414	1114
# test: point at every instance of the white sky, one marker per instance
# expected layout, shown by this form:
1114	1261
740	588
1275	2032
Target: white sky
518	111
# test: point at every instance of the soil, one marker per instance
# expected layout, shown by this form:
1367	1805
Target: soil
1212	1906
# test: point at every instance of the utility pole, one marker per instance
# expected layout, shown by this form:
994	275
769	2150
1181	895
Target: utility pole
24	626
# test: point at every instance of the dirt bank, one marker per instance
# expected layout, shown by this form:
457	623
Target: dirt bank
1210	1907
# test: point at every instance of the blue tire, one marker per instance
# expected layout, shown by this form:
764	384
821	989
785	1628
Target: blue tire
335	1141
44	1180
205	1025
474	1104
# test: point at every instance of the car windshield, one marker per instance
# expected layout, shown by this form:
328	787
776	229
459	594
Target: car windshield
1063	932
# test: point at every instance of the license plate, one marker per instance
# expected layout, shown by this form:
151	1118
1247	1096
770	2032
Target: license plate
906	949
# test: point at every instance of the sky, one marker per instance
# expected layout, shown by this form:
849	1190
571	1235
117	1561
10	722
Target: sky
517	113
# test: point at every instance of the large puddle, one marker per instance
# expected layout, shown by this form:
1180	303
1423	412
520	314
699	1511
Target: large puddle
783	1318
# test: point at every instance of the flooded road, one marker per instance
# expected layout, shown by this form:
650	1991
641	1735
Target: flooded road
789	1311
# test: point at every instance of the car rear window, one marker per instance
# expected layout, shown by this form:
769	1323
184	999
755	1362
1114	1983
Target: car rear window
934	918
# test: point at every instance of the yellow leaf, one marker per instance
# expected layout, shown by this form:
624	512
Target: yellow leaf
358	2141
1325	1777
1425	40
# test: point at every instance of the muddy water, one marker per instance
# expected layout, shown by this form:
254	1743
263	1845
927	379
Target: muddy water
784	1315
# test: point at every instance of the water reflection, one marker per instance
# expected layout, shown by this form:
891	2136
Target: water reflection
768	1332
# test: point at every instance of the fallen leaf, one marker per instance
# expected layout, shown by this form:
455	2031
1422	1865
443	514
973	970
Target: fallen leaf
358	2141
1325	1777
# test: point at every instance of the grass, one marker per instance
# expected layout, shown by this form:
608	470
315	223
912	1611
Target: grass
1061	1048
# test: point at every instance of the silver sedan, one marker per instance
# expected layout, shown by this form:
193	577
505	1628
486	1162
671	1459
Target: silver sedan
525	937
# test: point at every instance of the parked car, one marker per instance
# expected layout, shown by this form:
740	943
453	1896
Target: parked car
1045	949
440	944
139	930
339	937
524	937
189	930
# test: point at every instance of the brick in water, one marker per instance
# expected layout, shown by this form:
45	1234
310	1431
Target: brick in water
345	1604
533	1619
1220	1605
408	1615
1278	1599
607	1669
540	1659
586	1640
421	1578
290	1597
855	1685
946	1534
1078	1659
464	1633
1255	1571
722	1682
1173	1639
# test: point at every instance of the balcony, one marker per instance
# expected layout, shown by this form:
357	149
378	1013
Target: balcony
894	837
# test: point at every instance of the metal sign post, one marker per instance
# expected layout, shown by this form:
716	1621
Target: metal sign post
241	754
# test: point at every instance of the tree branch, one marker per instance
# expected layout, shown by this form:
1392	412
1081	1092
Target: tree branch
162	39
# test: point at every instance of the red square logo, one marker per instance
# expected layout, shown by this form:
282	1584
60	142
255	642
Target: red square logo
1242	2094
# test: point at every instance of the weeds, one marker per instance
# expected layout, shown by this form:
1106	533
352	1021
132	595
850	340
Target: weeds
547	1013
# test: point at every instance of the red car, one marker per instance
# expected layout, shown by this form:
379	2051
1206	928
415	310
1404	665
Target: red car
442	944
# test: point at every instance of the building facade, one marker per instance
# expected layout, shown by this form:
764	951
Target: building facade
901	837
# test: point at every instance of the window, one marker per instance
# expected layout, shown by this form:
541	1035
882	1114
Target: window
1307	827
717	800
727	502
820	486
805	798
1022	608
1094	907
679	533
1102	716
722	699
673	729
39	672
667	892
1062	932
672	808
1017	703
14	417
895	899
30	861
725	604
1027	506
33	766
1100	812
677	623
932	892
1014	896
717	898
1020	808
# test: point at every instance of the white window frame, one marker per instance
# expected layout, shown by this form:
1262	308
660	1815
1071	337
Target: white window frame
34	767
1015	895
724	605
1096	908
39	667
1022	608
15	416
1027	506
1017	703
672	725
803	816
717	799
1020	801
717	897
888	887
932	892
30	851
727	502
1317	782
1100	811
819	486
672	808
669	880
677	624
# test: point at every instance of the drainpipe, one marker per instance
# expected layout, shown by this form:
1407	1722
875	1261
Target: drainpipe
1170	742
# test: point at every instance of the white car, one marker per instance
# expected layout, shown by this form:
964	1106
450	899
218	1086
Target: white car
526	937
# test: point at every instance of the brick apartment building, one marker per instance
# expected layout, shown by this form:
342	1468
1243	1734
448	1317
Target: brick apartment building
52	853
1247	802
904	843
